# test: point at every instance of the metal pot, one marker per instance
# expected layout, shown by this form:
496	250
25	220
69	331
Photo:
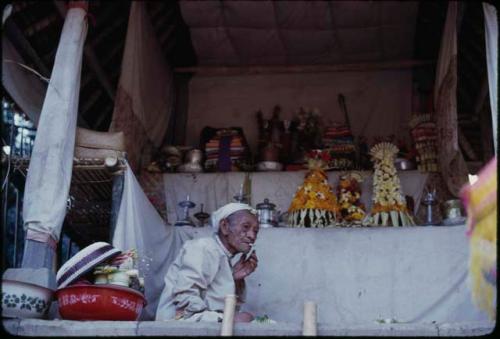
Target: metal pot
194	156
452	213
267	215
403	164
193	162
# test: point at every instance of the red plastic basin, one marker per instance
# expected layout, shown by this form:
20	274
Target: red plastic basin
99	302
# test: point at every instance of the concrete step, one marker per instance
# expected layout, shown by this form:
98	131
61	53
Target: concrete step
67	328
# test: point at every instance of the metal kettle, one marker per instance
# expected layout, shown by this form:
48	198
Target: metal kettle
267	215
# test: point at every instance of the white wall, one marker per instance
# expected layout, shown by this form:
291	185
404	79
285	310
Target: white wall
378	102
359	275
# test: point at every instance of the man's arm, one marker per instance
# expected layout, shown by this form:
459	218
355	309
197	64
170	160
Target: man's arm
197	270
242	269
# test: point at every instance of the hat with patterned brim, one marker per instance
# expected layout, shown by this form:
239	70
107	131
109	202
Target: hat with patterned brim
83	261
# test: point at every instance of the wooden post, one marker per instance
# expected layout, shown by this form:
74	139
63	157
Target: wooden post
309	324
228	318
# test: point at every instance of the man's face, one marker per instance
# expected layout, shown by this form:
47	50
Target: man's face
240	230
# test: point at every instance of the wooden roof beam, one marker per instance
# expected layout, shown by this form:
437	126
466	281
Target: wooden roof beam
365	66
158	24
167	33
156	10
107	30
91	58
103	116
90	102
113	52
17	38
465	145
465	96
482	95
40	25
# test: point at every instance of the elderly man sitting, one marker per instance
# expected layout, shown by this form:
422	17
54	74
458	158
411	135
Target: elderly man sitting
202	275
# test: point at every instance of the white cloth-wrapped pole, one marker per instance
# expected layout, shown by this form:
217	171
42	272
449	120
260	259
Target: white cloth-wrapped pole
491	36
49	174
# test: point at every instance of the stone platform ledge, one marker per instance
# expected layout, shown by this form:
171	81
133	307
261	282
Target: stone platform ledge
68	328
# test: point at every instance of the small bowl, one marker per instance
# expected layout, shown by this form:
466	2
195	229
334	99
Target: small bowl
100	302
24	300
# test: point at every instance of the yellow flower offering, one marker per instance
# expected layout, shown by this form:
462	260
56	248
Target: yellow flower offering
314	204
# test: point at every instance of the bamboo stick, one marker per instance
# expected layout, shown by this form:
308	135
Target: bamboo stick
228	318
309	325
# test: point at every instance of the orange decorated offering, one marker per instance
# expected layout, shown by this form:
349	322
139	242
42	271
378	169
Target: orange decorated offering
314	203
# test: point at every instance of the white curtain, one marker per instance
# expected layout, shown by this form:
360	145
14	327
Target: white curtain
491	36
49	173
144	97
139	226
26	88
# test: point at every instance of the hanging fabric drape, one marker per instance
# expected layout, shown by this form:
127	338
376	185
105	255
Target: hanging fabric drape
451	161
491	36
140	227
49	173
144	97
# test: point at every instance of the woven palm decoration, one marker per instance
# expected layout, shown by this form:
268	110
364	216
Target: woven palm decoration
388	204
480	201
314	203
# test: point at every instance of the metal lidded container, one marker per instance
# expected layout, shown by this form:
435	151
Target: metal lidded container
452	211
267	214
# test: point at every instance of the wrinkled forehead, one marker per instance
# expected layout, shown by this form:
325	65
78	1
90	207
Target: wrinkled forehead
243	216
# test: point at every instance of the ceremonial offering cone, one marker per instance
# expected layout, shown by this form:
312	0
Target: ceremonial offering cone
349	194
389	206
314	204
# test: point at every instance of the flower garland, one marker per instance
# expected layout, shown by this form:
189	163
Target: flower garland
349	194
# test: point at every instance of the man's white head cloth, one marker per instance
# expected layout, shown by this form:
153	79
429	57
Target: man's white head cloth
227	210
